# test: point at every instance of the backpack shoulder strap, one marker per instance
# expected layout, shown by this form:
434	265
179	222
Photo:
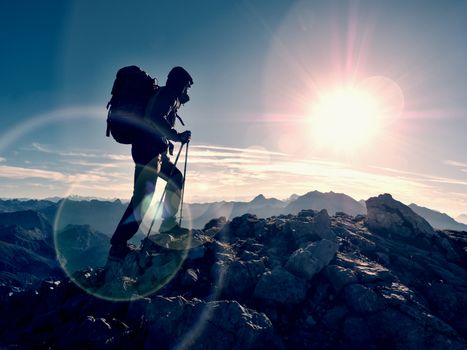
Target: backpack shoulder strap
152	101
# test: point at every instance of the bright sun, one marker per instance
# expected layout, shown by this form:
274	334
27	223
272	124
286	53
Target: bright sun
348	118
345	119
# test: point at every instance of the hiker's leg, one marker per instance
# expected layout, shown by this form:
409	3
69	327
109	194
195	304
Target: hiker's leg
145	177
173	194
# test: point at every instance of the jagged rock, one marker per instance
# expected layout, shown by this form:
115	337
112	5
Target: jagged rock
396	293
91	332
411	329
387	215
315	228
340	276
373	272
365	245
458	241
383	258
448	249
306	213
136	310
362	299
359	217
189	278
227	324
378	293
277	243
449	304
307	262
247	225
280	286
240	279
246	255
215	223
196	252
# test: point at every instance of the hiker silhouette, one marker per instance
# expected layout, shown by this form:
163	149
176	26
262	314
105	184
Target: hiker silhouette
151	150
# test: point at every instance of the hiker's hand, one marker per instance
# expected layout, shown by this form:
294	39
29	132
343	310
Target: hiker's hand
185	136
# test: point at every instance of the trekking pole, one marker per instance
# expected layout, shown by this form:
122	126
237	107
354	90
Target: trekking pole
183	187
163	193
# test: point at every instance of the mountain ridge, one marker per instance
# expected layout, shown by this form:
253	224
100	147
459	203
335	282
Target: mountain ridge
377	281
109	212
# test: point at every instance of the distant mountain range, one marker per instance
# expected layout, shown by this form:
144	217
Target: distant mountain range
266	207
28	253
438	220
79	247
103	216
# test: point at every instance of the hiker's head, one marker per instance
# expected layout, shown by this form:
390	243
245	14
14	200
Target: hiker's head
180	81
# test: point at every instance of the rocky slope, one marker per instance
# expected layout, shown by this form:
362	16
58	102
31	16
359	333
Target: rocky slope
387	280
27	254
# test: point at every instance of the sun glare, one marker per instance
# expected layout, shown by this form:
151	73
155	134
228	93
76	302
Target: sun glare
345	119
349	118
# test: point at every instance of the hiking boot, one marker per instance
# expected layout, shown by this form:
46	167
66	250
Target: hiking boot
175	230
170	225
120	251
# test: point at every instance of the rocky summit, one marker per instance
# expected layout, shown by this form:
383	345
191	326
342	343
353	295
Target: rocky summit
385	280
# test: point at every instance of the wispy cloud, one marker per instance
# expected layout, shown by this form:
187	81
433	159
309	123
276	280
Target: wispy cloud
425	177
13	172
456	163
245	174
227	173
252	150
79	154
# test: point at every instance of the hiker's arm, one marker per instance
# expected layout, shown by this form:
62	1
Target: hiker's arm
157	116
182	137
168	121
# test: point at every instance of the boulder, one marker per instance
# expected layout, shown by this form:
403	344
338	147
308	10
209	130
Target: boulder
307	262
389	216
228	285
189	278
280	286
362	299
444	300
339	276
313	228
412	329
177	322
246	226
217	223
240	279
91	332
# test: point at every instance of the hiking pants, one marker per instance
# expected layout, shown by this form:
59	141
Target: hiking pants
145	177
174	178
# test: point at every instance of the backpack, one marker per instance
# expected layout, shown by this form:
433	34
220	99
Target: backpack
131	92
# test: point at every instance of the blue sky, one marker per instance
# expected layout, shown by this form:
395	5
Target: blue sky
259	68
